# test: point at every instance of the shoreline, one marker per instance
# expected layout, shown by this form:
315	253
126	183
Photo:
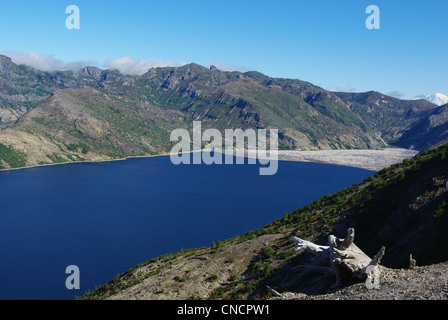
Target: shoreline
85	161
367	159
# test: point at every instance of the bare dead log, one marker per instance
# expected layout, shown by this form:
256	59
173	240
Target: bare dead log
275	293
347	261
317	250
412	262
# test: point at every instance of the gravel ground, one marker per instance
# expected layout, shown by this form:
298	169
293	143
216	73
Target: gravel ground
419	283
374	160
368	159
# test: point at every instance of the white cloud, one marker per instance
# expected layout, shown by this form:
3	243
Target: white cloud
340	89
395	94
44	62
128	65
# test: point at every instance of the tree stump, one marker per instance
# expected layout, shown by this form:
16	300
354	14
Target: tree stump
349	263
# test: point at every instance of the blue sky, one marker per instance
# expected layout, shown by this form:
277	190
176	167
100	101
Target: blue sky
324	42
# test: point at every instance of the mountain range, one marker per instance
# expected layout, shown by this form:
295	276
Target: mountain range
94	114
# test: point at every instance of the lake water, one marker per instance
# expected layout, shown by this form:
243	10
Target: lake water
107	217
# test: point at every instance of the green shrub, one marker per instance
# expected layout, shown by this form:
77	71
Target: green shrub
213	278
441	209
267	253
12	157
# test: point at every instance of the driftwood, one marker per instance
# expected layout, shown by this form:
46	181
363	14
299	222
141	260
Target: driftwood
412	262
348	262
274	292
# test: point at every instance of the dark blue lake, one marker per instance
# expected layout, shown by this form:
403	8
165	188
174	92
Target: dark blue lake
107	217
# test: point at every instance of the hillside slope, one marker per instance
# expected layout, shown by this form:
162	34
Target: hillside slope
430	130
388	115
403	207
85	124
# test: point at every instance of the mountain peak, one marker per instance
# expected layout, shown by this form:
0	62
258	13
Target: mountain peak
436	98
93	72
4	58
5	62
